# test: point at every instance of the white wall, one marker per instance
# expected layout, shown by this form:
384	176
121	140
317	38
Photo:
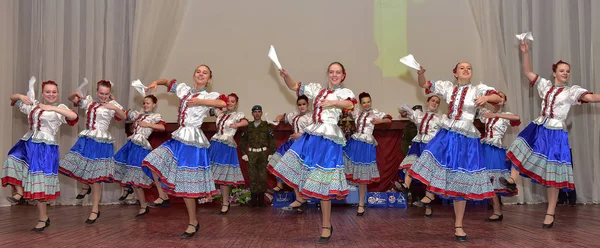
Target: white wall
233	38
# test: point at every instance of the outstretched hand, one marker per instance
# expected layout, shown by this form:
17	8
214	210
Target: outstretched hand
480	101
524	47
152	86
25	99
46	107
422	71
283	73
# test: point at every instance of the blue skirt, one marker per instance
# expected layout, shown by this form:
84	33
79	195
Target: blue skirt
315	166
281	150
128	171
544	155
453	167
360	161
89	161
183	169
497	166
34	166
225	164
415	151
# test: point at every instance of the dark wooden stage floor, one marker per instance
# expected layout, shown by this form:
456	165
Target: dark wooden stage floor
268	227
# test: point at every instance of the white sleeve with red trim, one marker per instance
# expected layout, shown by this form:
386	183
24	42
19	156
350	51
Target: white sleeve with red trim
484	90
289	117
85	102
180	89
542	85
575	94
62	118
310	90
346	94
381	115
24	108
213	96
239	116
132	114
415	116
481	112
440	88
113	102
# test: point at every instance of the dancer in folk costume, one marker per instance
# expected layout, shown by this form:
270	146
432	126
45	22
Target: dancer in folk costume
360	158
129	172
299	120
428	124
182	163
452	164
90	160
32	163
496	124
223	154
541	151
314	164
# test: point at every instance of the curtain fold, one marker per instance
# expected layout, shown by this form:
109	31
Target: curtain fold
157	23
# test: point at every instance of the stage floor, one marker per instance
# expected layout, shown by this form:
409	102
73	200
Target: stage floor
269	227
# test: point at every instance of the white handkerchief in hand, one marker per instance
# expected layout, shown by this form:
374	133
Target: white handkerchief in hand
31	89
524	36
410	61
405	108
270	121
82	89
139	87
273	57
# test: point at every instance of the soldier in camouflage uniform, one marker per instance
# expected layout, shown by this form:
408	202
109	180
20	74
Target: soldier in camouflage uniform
257	144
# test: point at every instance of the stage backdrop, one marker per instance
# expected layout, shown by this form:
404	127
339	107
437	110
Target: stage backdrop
368	37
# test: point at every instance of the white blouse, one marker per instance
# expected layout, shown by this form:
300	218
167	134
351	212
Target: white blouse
428	124
556	102
98	119
190	118
225	133
140	134
298	121
495	128
461	100
364	127
325	120
43	125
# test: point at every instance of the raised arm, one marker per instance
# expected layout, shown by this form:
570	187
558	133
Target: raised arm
242	123
160	126
67	113
289	81
154	85
526	61
421	77
218	103
591	98
74	97
23	98
510	117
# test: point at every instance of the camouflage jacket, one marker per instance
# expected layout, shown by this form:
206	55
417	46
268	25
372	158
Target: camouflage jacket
257	137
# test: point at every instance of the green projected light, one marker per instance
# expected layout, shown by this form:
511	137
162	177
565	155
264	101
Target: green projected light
390	36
